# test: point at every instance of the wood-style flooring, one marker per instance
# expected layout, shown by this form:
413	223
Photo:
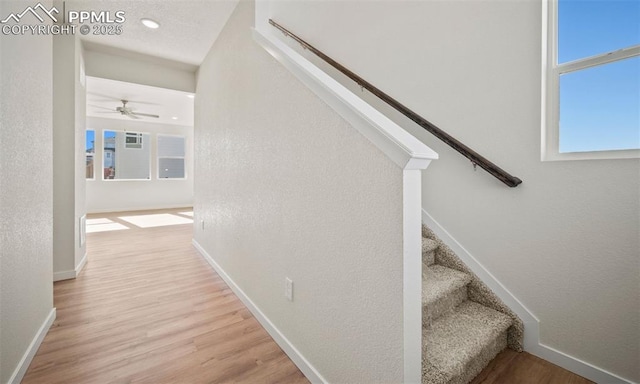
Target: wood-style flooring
511	367
148	309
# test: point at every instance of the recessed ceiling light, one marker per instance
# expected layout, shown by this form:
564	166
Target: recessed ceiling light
191	96
174	118
150	23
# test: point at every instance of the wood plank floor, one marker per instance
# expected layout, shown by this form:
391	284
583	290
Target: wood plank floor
148	309
523	368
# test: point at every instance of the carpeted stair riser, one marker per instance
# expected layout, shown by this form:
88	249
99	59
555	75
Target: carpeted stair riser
429	247
443	290
477	291
457	346
462	333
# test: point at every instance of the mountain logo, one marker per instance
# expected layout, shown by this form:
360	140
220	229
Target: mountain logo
34	12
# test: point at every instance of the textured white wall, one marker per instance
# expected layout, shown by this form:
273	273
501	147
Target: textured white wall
288	189
69	104
26	212
566	241
112	196
140	69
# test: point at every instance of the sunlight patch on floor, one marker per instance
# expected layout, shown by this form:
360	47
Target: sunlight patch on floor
157	220
103	225
190	213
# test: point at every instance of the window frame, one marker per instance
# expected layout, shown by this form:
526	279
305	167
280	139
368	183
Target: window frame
184	158
551	72
93	154
103	132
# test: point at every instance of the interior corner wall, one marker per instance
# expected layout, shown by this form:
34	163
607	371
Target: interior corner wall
68	155
131	70
565	242
26	205
287	188
128	195
79	184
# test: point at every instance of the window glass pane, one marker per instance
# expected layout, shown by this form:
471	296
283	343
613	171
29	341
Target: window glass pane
170	168
90	152
123	162
592	27
170	146
599	107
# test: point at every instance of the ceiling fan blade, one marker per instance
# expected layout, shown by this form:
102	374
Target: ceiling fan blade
108	112
144	114
141	102
131	115
104	97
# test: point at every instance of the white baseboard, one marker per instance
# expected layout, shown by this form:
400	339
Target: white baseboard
72	274
64	275
23	365
298	359
532	342
577	366
81	265
133	209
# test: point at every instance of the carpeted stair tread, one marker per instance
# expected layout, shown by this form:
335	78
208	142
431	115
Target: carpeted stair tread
459	345
443	289
428	250
439	281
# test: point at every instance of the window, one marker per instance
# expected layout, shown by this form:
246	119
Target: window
171	151
121	163
90	151
133	140
592	85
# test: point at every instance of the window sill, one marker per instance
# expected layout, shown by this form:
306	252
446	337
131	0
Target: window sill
595	155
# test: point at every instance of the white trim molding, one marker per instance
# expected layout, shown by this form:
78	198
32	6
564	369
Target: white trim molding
138	208
550	90
23	365
72	274
299	360
532	343
64	275
399	145
81	265
412	274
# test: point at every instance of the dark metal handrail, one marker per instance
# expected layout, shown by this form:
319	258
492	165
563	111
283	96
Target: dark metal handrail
476	159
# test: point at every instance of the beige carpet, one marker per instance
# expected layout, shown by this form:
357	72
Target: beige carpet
465	325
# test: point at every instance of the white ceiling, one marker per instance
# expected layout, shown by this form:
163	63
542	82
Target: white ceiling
103	97
187	30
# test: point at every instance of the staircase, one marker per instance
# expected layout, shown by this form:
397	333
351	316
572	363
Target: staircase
460	336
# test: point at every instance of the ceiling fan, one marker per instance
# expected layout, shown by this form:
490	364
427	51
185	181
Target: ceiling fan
127	111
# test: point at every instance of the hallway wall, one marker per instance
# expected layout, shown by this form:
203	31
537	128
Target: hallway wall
109	63
69	127
286	188
26	201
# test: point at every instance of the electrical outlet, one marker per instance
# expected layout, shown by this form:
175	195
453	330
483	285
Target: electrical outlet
202	224
288	288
